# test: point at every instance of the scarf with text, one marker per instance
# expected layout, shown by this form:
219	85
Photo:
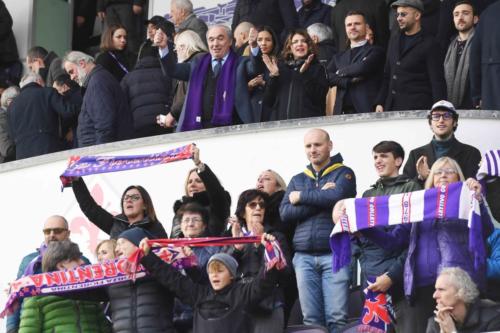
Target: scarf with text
79	166
88	277
273	254
454	201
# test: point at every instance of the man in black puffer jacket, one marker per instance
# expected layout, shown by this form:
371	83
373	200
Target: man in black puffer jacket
149	93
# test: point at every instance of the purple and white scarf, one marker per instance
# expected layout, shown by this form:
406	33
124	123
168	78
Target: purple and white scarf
454	201
490	165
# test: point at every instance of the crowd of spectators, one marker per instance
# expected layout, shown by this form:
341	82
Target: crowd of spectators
275	64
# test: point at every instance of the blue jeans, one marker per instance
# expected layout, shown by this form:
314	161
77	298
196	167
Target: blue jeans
323	294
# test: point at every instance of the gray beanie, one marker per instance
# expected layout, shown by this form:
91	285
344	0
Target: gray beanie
228	261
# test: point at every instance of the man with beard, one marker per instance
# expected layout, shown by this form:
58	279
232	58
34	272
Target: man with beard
456	63
55	229
105	115
413	73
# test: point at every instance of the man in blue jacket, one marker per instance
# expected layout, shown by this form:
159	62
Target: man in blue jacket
308	203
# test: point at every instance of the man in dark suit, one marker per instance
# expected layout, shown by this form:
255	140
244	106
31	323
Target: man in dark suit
413	74
217	94
357	72
443	121
33	117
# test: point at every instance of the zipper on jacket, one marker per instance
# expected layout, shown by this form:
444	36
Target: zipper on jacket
78	321
289	99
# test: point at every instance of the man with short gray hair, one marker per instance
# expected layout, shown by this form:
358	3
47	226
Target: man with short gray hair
105	115
322	36
458	307
7	147
33	117
181	12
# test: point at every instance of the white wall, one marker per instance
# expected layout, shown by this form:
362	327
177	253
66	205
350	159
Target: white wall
29	195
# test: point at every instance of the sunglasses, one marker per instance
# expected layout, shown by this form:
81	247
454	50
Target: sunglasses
56	231
437	116
133	197
254	204
448	171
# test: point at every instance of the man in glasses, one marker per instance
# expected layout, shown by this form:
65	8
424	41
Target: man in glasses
308	204
413	74
55	229
443	121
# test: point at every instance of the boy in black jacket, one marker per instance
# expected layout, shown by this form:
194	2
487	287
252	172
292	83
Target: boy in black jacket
219	307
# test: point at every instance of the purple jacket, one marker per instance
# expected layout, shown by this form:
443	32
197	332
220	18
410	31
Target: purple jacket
424	261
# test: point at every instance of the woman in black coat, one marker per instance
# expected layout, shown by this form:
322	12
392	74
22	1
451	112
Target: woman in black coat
203	187
268	315
137	211
297	86
149	93
114	56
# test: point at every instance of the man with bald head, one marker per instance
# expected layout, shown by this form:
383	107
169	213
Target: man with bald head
308	205
217	94
55	229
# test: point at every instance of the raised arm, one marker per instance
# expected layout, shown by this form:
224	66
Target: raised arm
95	213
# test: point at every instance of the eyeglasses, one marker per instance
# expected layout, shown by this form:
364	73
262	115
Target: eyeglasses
133	197
192	219
448	171
56	231
402	14
254	204
445	115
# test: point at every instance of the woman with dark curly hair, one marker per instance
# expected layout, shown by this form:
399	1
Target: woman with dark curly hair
297	85
268	315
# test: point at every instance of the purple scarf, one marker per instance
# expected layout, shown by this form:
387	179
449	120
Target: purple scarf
224	94
37	261
454	201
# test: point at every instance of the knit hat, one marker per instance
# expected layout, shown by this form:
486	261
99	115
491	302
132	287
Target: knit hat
135	235
417	4
228	261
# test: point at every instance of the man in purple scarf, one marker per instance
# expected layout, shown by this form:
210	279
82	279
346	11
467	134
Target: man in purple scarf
217	93
55	229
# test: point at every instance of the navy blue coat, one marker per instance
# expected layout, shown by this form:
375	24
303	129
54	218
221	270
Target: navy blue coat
360	76
244	71
105	115
413	80
485	60
313	214
34	120
149	93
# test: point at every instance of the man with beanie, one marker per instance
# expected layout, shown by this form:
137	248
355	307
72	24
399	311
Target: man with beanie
221	306
413	73
443	121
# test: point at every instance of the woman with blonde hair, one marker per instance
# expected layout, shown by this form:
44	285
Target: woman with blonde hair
187	44
203	187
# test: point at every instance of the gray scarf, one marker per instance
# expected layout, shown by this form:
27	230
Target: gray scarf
456	81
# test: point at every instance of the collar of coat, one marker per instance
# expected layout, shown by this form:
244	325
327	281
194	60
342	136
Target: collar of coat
335	163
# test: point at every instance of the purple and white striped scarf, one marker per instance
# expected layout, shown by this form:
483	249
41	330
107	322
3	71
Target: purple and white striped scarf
454	201
490	165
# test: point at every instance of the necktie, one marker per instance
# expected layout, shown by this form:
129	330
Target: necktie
217	67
